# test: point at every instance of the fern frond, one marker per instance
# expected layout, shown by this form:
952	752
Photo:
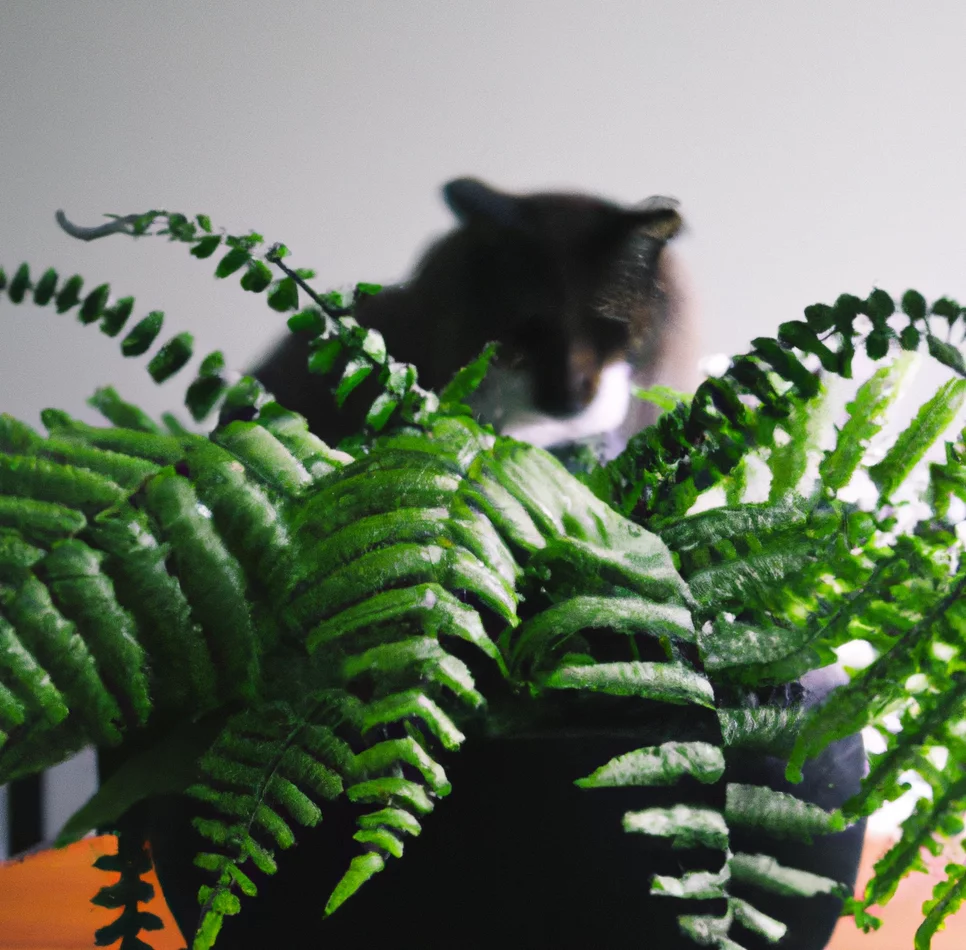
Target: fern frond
265	761
866	414
756	654
95	307
924	723
131	861
913	442
918	832
690	449
947	897
138	568
856	704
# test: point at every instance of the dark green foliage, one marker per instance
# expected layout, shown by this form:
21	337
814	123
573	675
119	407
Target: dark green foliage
93	306
96	306
299	624
209	386
257	277
206	246
143	334
20	284
285	296
236	258
114	318
120	413
44	290
694	447
69	294
171	357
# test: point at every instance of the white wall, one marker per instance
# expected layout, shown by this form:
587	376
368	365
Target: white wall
817	148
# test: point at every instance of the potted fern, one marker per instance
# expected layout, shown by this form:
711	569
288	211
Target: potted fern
275	643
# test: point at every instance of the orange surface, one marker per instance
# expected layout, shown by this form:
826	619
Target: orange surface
45	900
903	914
45	903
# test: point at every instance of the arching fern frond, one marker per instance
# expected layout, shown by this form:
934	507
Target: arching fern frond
694	447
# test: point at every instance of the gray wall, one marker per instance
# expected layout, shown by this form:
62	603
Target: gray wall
816	147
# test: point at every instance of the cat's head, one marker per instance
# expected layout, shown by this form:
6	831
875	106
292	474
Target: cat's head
567	284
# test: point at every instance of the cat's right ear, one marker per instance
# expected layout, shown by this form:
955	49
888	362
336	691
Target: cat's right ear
657	217
472	201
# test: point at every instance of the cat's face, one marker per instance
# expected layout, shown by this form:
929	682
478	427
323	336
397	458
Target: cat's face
563	283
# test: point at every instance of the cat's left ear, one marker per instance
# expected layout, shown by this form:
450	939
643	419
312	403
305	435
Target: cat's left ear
657	217
473	201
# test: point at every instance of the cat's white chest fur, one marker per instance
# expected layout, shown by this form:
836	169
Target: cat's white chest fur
505	400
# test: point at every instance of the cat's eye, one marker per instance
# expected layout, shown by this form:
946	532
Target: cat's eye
534	329
610	335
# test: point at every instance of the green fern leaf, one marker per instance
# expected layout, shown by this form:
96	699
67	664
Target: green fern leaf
94	303
144	333
28	680
120	413
383	755
948	897
171	357
718	524
865	420
913	442
685	826
395	818
435	610
761	728
754	920
416	704
730	648
69	295
659	765
363	867
778	813
55	643
764	872
667	682
44	290
693	885
390	789
86	596
745	577
551	628
265	456
211	578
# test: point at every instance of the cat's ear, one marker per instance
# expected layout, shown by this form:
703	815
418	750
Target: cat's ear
658	217
473	201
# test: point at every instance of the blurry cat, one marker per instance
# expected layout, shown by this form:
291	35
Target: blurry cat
580	294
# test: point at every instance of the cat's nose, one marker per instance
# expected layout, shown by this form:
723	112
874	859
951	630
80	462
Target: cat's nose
559	400
581	390
581	383
575	396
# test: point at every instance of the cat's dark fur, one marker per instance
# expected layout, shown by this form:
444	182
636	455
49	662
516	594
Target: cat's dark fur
567	284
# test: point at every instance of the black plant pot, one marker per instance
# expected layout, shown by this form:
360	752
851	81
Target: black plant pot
517	856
